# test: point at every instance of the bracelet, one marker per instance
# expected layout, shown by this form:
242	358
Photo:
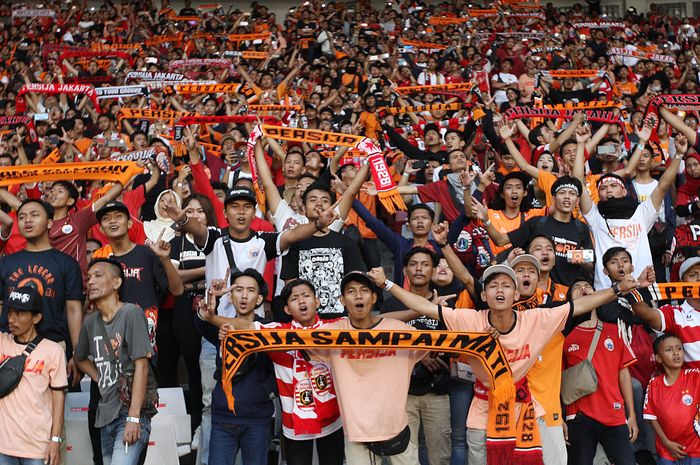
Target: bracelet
679	156
388	285
487	223
406	175
56	439
182	223
136	420
442	245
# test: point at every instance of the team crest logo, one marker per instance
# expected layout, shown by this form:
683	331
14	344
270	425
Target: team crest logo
609	344
303	395
253	253
687	399
464	241
321	379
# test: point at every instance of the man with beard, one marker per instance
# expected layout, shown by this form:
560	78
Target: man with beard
617	220
428	402
565	231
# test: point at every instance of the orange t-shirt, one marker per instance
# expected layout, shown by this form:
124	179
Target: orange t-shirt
533	331
545	179
504	224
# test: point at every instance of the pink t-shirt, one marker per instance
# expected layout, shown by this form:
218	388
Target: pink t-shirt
522	344
25	413
371	384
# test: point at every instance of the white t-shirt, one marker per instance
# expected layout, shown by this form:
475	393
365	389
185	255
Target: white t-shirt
643	193
500	95
630	233
427	78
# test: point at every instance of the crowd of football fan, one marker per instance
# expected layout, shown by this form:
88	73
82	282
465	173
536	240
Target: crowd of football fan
549	166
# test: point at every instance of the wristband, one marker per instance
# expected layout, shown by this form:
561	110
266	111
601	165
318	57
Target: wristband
406	175
487	222
136	420
56	439
441	245
388	285
616	289
182	223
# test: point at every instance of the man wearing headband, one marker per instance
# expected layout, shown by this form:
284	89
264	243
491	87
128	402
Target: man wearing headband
566	232
617	220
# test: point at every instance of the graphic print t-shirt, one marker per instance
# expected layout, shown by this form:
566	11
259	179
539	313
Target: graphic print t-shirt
57	277
324	260
128	336
146	283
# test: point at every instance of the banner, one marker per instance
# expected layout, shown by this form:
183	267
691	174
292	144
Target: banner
114	171
248	37
54	89
446	21
121	91
239	344
599	25
18	120
659	58
209	62
95	54
33	13
153	76
422	108
461	86
313	136
422	45
152	115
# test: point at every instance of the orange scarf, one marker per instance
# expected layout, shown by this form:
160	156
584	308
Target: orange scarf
114	171
488	351
459	86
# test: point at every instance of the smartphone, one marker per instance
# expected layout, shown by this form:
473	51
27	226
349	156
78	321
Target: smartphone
206	297
580	256
420	164
606	150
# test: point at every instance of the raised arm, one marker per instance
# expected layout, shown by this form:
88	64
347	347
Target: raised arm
348	196
669	177
412	301
271	193
458	268
582	136
677	123
567	133
590	302
507	131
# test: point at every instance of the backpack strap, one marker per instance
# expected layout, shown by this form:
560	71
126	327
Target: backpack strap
226	238
31	345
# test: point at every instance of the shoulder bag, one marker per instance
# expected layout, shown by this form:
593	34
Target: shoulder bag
581	379
12	368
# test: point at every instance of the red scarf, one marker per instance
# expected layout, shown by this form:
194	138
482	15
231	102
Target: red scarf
26	121
54	89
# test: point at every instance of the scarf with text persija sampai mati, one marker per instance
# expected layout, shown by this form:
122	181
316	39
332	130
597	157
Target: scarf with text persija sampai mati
56	89
480	347
386	188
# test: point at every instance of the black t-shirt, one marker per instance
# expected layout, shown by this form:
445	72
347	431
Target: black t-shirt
566	236
559	96
145	283
185	253
57	277
324	260
422	381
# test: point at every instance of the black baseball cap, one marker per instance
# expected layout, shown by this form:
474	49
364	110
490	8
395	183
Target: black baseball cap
25	298
111	207
357	277
240	193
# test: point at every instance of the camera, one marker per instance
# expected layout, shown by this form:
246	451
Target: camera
579	256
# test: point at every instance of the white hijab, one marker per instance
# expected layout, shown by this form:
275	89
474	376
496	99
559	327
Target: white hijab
153	228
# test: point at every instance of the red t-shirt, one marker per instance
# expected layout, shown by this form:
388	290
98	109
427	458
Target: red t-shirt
684	322
612	354
68	235
675	407
439	192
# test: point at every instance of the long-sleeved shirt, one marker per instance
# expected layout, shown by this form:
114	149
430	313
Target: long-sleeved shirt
398	244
